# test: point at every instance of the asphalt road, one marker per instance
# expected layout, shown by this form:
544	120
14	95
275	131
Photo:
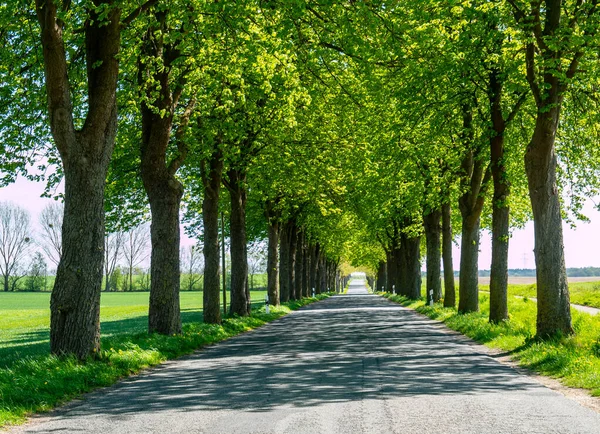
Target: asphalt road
351	364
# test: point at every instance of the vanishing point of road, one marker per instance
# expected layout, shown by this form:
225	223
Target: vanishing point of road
353	363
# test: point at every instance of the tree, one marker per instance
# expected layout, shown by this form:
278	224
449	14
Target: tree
192	265
83	129
257	260
557	37
51	219
135	250
15	241
38	273
113	250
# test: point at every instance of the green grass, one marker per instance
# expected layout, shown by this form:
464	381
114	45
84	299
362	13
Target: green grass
33	381
583	293
575	360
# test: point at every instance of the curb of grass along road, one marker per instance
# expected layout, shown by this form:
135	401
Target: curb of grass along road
41	383
525	359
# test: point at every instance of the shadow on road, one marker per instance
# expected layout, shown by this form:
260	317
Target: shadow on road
346	348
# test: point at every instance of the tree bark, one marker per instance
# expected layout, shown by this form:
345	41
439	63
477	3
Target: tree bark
273	263
468	284
500	209
85	155
298	262
553	314
449	290
211	179
314	268
239	254
293	237
305	269
432	235
284	263
410	282
381	276
164	311
322	275
158	175
476	178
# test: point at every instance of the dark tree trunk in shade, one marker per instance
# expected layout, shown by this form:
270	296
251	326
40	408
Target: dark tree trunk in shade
236	180
284	263
500	209
314	268
468	285
306	269
411	267
298	270
211	178
381	276
433	231
273	263
85	156
292	240
449	289
322	275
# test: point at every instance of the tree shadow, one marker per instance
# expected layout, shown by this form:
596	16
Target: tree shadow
346	348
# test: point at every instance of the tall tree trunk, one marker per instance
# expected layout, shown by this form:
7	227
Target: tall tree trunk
211	179
164	312
500	209
6	283
322	273
468	284
239	254
298	270
314	268
158	175
411	267
476	176
305	269
553	314
85	155
449	290
293	237
432	234
381	276
284	263
273	263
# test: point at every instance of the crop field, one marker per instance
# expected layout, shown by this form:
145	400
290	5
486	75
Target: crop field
25	318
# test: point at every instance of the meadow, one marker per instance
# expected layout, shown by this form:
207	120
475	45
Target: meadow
25	318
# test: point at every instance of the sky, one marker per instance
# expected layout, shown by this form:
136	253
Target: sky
580	244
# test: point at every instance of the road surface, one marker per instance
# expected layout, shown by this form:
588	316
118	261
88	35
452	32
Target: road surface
354	363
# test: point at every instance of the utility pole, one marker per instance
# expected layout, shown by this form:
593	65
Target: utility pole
224	274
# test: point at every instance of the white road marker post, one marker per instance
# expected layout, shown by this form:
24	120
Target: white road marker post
267	307
313	292
431	297
393	289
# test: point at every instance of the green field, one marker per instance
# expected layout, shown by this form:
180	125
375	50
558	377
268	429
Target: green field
25	318
583	293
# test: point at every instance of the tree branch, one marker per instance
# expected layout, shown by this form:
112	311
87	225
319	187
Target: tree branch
137	12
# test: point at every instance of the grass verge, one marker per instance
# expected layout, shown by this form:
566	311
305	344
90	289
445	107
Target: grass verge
575	360
39	383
